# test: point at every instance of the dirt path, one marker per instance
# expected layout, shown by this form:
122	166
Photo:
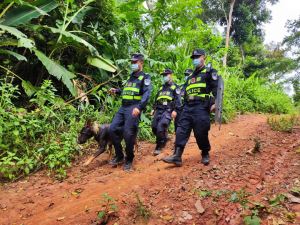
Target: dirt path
226	189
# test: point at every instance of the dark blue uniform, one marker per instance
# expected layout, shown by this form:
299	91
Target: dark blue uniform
195	115
135	94
167	100
179	111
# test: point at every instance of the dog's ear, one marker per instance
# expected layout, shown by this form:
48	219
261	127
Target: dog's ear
88	122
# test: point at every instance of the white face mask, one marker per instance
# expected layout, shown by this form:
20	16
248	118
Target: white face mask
134	67
166	79
198	62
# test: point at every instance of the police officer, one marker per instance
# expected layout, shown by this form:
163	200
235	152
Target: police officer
187	73
135	96
167	103
195	114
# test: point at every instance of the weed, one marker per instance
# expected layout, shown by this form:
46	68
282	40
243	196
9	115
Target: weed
142	210
277	200
203	193
257	145
284	123
252	220
109	207
241	197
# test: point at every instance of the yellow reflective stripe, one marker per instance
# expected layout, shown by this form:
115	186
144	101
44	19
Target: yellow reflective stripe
199	95
164	97
129	97
131	89
195	86
141	77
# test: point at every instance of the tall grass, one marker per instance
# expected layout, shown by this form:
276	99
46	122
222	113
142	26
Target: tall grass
253	95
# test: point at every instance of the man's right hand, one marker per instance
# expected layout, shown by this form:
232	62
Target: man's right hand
112	91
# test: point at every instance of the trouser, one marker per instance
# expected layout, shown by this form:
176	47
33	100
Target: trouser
160	124
124	118
179	112
195	118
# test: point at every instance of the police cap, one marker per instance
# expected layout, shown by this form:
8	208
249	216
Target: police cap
166	72
137	56
198	52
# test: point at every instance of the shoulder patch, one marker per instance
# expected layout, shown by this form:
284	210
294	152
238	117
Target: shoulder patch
214	75
147	81
178	91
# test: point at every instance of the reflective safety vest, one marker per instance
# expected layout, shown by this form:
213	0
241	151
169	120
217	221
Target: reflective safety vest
196	87
167	95
132	89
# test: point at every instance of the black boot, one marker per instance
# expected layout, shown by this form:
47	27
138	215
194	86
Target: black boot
116	161
157	150
205	158
159	147
127	165
175	158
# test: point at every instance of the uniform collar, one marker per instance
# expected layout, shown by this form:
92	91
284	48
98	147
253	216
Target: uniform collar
137	74
196	71
169	84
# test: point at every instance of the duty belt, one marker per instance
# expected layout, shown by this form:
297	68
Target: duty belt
164	102
192	98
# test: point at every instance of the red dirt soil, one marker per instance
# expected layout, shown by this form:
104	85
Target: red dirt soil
236	177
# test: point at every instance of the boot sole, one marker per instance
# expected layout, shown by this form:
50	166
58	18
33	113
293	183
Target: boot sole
114	165
205	164
178	164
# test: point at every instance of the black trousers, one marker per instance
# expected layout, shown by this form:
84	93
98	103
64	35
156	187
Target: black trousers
195	118
129	124
160	124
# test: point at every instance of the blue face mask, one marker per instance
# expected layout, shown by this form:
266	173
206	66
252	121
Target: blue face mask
134	67
186	77
196	62
166	79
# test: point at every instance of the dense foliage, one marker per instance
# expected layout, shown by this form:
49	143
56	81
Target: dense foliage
58	58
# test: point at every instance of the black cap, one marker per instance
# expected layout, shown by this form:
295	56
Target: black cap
188	71
198	52
137	56
167	71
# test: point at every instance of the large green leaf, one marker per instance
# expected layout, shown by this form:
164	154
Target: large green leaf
102	63
16	55
9	42
27	12
76	38
23	41
78	19
28	88
57	70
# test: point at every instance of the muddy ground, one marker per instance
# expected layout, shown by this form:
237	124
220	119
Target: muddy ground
254	171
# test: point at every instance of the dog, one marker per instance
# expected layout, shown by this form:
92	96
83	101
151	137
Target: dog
101	135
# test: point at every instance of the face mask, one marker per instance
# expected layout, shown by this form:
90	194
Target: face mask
134	67
166	79
186	77
197	62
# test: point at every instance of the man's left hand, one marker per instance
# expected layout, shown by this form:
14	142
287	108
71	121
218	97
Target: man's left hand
213	108
135	112
174	114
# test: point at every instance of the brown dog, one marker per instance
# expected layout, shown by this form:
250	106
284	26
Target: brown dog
101	135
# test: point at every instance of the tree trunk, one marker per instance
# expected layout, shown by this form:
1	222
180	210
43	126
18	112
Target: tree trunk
232	2
242	55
